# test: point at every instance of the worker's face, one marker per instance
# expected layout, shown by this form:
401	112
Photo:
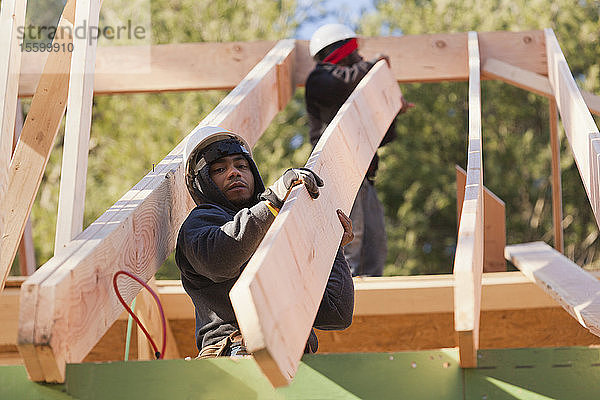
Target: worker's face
234	178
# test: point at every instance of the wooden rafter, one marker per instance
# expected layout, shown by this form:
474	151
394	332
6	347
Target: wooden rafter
468	261
71	199
579	125
277	296
136	234
12	16
34	146
575	289
494	224
534	82
191	66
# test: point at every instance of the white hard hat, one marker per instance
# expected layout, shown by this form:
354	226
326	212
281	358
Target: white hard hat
329	34
202	137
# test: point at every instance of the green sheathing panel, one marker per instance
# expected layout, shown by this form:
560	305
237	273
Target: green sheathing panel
538	374
405	375
535	374
14	384
415	375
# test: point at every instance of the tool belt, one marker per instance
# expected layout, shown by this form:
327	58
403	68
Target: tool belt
223	347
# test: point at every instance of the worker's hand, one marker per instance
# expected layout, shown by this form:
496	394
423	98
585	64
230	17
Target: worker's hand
277	193
348	235
380	56
405	105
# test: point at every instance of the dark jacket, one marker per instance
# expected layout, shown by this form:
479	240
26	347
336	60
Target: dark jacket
328	86
214	245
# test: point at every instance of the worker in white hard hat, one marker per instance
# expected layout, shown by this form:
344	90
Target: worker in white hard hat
338	71
218	238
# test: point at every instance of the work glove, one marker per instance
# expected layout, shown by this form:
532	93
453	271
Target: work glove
277	193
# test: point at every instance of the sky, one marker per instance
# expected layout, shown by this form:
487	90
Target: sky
331	11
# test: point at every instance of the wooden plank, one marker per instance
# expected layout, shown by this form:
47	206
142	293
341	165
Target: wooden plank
147	311
137	236
33	149
442	57
534	82
468	261
579	125
71	199
191	66
164	67
556	181
277	296
494	224
12	16
592	101
26	250
575	289
419	294
519	77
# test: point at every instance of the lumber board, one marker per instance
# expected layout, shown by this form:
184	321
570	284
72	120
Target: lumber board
419	294
71	198
277	296
191	66
556	181
12	16
71	295
528	80
26	251
579	124
494	224
147	311
164	67
34	146
575	289
468	260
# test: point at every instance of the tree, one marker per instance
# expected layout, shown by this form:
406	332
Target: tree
417	181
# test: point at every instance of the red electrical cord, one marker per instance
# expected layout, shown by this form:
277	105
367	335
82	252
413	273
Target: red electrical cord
159	354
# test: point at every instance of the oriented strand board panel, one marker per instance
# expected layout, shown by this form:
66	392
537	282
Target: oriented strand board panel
575	289
277	296
580	128
468	260
71	296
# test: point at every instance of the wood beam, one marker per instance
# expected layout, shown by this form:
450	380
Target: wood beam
277	296
147	311
26	250
468	260
575	289
494	224
71	199
534	82
579	125
12	16
33	149
164	67
557	215
136	234
191	66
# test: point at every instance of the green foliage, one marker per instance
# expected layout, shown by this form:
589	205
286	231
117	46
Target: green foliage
417	181
131	132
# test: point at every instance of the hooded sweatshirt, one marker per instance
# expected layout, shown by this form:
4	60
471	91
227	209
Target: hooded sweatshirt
215	243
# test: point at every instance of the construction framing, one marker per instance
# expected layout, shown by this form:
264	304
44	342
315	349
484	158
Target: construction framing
67	305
